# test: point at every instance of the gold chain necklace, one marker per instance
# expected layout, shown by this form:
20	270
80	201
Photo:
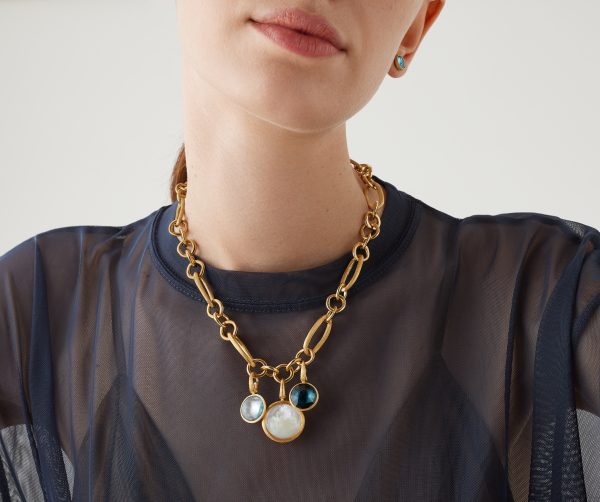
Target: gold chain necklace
282	420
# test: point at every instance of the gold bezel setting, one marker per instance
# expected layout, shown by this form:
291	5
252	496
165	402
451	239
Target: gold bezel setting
264	410
312	405
276	438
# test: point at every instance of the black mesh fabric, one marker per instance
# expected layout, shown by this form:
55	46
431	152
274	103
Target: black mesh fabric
465	367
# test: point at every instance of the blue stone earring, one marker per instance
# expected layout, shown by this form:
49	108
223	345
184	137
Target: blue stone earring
399	62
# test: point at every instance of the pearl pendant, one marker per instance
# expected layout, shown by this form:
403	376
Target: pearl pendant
283	422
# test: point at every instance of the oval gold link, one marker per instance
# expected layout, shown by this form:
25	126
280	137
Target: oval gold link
312	332
358	261
180	212
380	201
241	347
204	288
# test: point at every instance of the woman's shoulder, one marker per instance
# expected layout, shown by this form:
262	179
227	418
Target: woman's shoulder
516	227
69	246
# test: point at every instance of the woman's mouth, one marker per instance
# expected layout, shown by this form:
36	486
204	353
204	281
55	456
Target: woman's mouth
301	32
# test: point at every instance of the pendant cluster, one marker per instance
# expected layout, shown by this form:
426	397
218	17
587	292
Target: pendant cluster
283	420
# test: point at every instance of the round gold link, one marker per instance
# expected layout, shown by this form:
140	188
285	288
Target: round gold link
240	347
190	273
223	327
188	247
182	226
341	299
355	261
362	246
209	306
256	360
270	371
312	332
366	234
310	352
291	372
172	228
296	361
373	220
221	319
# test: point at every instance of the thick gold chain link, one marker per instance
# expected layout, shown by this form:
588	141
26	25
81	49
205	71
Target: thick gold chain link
335	302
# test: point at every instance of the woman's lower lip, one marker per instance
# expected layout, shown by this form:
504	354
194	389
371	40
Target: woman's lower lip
297	42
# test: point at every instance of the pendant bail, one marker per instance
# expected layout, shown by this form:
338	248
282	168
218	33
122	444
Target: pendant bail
253	384
302	371
282	389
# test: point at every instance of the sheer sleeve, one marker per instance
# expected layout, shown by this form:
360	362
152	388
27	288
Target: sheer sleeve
32	464
586	343
566	405
16	277
586	328
18	475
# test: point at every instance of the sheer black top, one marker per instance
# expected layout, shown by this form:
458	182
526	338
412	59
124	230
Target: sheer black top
465	366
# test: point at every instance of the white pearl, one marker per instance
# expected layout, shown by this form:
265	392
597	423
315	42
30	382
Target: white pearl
283	421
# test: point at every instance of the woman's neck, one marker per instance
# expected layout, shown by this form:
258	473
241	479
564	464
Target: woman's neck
262	197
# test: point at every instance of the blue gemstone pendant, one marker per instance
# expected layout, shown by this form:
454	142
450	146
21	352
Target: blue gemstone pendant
304	396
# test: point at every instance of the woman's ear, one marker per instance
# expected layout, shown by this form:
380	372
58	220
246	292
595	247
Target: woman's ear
428	13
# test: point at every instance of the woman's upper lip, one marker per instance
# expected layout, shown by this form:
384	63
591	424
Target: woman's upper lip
304	22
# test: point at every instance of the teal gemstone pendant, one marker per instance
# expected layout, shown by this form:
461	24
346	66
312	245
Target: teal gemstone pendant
304	396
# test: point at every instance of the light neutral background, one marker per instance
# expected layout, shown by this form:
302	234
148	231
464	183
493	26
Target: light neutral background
498	112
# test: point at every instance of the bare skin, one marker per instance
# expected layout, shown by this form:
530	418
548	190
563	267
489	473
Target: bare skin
270	185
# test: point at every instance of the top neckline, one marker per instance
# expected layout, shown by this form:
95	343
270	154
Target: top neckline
302	289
